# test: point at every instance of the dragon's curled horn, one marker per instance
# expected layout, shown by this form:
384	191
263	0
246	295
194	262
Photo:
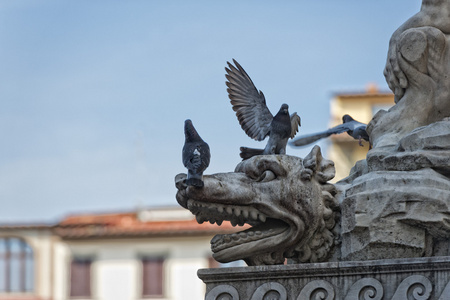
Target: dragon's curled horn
316	165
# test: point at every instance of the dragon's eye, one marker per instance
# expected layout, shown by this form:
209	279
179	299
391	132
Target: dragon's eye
267	176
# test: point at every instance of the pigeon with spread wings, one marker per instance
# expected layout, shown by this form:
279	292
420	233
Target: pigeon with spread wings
254	116
355	129
196	155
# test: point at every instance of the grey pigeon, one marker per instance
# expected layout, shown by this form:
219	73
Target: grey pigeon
355	129
254	116
196	155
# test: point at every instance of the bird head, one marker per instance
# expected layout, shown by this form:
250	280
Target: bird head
347	118
284	109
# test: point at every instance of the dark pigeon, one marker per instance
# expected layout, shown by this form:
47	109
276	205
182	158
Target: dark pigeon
355	129
254	116
196	155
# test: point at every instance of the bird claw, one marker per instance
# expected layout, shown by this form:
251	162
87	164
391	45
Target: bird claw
195	182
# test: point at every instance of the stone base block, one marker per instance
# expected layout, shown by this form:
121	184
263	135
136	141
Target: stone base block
395	279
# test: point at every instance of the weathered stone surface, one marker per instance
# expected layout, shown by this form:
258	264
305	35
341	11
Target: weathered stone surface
286	199
417	71
395	279
424	147
396	203
395	211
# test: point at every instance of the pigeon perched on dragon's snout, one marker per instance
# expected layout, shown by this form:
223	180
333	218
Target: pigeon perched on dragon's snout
196	155
254	116
355	129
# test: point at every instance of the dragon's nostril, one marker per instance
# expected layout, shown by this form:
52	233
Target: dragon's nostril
180	181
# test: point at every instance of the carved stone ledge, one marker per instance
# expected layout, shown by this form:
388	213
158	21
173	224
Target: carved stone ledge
398	202
419	278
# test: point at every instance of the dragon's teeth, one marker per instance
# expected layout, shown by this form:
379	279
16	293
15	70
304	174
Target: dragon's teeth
254	214
245	213
262	218
220	209
200	219
229	210
216	238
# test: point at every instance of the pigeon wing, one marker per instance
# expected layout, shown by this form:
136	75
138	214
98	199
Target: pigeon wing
249	104
205	155
295	124
188	153
352	125
341	128
311	138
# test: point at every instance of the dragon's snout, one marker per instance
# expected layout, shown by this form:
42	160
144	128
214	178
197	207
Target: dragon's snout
180	183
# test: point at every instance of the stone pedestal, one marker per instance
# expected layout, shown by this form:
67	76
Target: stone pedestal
396	279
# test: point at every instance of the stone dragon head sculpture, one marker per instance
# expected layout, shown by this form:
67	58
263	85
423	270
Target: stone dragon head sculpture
286	200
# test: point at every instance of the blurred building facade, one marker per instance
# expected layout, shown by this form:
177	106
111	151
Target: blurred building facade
362	106
147	254
122	256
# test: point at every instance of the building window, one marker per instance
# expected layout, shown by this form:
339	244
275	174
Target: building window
16	266
80	277
152	277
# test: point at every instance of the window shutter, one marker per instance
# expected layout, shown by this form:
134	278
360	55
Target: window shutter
152	276
80	278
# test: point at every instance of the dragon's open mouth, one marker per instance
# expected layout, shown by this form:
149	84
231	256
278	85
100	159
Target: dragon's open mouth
263	227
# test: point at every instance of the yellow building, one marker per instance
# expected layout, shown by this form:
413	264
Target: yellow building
362	106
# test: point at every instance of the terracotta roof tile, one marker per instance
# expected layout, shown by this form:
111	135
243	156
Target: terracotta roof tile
129	225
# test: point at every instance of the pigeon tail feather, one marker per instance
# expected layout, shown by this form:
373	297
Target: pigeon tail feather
247	153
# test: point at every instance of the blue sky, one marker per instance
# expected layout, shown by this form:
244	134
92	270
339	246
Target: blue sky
94	93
